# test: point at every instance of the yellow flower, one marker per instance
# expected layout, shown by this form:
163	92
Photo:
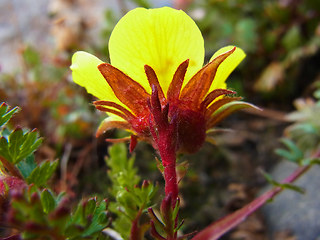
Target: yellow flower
157	55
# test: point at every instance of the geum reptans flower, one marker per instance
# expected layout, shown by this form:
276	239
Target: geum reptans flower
156	79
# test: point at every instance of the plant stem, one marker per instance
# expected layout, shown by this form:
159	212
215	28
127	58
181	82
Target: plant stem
217	229
135	233
167	151
164	133
171	184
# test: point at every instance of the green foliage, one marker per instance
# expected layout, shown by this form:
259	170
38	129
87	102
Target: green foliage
276	44
221	24
38	213
41	215
48	201
47	97
19	145
42	173
292	153
91	215
288	186
167	226
283	37
38	70
130	200
142	3
26	166
16	150
302	139
5	114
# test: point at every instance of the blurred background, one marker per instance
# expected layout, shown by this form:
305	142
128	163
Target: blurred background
281	39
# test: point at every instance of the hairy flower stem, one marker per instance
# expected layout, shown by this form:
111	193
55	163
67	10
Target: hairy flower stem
164	132
170	175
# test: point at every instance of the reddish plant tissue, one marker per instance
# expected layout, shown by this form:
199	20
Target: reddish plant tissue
8	183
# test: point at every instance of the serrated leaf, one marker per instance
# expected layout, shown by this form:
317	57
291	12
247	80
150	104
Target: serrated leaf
6	115
48	201
15	140
130	199
26	166
99	220
30	144
118	157
78	216
29	140
42	173
103	218
19	145
4	151
90	206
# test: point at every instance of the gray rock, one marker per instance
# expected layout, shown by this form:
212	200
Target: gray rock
28	22
292	211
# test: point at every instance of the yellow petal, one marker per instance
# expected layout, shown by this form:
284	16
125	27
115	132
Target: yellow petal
162	38
85	73
228	65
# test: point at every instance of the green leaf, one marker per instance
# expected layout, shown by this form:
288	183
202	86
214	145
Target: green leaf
31	57
73	231
90	206
16	139
6	115
292	38
19	145
286	155
294	154
118	157
282	185
44	211
306	128
130	199
48	201
245	34
142	3
27	165
316	94
42	173
30	144
310	161
99	220
78	217
4	151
